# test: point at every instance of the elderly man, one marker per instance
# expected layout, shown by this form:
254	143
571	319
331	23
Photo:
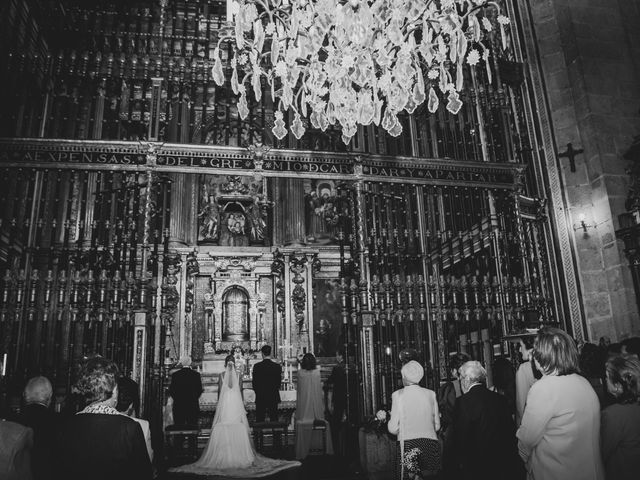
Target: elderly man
38	415
483	438
185	389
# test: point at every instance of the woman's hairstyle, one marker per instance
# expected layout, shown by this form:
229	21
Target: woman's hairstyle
614	349
308	362
625	371
229	358
457	360
556	352
128	394
528	341
504	376
632	346
97	379
592	361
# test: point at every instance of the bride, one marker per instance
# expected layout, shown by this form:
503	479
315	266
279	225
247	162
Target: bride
230	451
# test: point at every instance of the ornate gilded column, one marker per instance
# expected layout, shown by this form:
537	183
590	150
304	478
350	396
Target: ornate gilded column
138	368
365	323
293	211
182	221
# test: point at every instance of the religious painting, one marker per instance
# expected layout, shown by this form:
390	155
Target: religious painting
233	211
327	319
321	213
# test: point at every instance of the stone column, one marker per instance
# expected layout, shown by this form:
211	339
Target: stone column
590	54
183	225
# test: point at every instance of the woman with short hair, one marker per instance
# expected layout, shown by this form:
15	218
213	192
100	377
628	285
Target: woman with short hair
526	375
415	419
620	427
99	442
560	431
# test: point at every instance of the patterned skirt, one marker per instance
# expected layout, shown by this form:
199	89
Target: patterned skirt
427	458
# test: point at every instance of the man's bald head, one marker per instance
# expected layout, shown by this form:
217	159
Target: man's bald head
38	390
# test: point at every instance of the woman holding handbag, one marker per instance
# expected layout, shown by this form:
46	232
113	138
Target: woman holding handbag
415	419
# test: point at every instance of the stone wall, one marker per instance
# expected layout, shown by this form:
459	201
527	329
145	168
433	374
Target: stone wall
590	57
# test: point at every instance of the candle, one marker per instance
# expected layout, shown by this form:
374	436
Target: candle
4	364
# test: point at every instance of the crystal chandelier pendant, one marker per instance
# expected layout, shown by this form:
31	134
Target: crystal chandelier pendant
346	63
279	129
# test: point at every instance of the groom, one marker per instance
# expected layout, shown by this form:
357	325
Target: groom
266	384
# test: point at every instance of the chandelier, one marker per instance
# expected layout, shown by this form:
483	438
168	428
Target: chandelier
355	62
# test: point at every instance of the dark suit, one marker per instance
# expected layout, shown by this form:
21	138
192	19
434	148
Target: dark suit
102	447
44	423
185	389
16	442
267	376
483	440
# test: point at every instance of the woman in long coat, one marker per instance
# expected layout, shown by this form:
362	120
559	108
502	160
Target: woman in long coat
310	410
559	438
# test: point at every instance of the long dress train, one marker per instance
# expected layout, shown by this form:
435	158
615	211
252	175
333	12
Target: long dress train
230	451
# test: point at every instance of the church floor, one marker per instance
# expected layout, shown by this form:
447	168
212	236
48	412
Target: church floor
313	468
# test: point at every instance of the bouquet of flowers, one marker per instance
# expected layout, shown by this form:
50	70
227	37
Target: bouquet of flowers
378	423
410	464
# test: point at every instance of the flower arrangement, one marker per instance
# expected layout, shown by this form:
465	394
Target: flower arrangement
378	423
410	463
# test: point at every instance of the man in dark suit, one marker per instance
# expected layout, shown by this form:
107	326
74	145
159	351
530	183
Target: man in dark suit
483	441
185	389
38	415
267	376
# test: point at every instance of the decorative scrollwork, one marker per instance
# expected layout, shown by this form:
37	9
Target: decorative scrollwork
297	265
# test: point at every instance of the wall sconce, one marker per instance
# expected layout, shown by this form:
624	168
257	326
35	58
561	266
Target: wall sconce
582	225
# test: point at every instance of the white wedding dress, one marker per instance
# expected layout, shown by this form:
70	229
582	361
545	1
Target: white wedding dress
230	450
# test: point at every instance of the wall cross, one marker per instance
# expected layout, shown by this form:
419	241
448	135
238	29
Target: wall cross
571	154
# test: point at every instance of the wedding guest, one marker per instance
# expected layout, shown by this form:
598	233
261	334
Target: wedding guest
559	438
310	408
415	419
631	346
129	405
592	368
407	355
16	442
99	442
504	382
483	437
451	390
185	390
620	427
614	349
38	415
526	375
337	399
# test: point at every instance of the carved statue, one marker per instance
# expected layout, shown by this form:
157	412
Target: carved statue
232	212
236	223
257	218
